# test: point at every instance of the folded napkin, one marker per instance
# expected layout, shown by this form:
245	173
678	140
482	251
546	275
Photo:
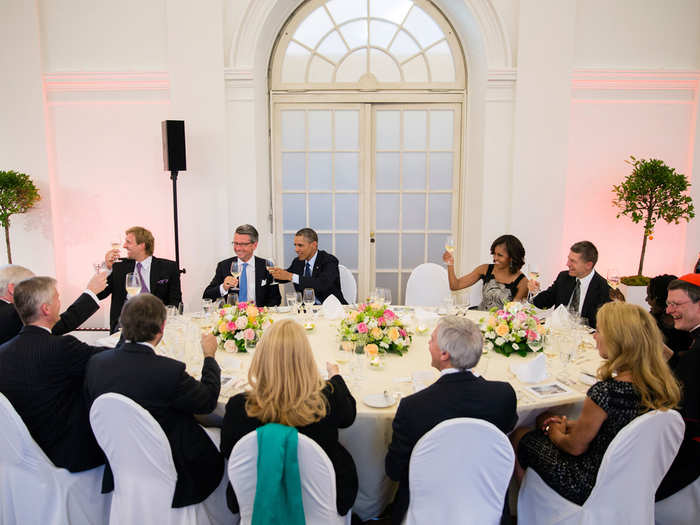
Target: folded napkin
278	489
560	318
110	341
532	370
332	309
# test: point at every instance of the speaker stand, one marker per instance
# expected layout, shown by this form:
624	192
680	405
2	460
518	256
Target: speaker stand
173	177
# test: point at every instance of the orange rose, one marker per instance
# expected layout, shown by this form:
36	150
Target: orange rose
502	329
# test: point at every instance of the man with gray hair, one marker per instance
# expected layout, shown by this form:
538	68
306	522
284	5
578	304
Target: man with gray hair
76	314
42	374
455	348
254	283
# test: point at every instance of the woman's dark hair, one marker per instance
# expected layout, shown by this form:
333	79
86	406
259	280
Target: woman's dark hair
515	250
658	288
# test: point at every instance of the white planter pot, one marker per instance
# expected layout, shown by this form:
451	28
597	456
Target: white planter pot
635	295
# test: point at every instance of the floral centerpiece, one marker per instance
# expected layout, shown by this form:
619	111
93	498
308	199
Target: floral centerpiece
513	328
375	324
239	327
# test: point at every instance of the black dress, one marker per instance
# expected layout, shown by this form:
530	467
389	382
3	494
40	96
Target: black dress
495	294
340	414
573	477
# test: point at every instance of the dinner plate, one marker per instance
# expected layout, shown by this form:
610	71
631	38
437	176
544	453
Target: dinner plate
378	400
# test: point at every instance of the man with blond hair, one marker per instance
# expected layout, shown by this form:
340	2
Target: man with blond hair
160	277
76	314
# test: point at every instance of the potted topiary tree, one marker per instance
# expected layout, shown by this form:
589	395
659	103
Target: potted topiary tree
651	192
17	195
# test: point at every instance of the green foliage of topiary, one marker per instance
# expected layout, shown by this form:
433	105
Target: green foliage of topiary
17	195
635	280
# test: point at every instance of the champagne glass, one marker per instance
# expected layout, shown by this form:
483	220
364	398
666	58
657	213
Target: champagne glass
133	285
116	243
450	245
235	269
269	263
533	275
99	266
613	278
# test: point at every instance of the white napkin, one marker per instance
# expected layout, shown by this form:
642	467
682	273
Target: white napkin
332	309
422	379
110	341
560	318
532	370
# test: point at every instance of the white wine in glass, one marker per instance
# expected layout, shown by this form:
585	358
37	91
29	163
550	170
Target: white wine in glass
269	263
133	285
613	278
235	269
450	244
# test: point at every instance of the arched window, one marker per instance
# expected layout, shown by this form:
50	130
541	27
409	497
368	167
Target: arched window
366	102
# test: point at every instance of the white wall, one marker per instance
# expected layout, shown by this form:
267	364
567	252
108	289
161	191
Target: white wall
553	109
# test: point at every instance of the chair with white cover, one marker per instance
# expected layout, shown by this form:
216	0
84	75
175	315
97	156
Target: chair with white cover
632	468
476	293
317	480
34	491
427	285
142	464
682	508
459	473
347	284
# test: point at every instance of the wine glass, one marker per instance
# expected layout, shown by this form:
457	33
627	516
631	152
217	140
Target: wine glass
292	302
207	305
309	297
450	245
387	296
235	268
269	263
99	266
133	285
116	243
533	275
613	278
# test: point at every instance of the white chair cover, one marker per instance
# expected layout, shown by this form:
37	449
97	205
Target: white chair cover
459	473
347	284
144	473
475	293
682	508
34	491
317	480
632	468
427	285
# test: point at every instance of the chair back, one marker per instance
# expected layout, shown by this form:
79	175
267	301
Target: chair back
347	284
141	461
427	285
459	473
33	490
681	508
476	293
317	480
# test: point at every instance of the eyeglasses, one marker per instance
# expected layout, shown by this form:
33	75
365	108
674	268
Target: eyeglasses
673	304
241	243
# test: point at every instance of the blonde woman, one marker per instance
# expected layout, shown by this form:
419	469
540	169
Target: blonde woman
634	379
287	388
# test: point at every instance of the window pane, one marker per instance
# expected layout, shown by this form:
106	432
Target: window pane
320	171
342	10
394	11
346	129
346	211
294	211
441	171
381	33
387	170
388	129
355	33
325	242
347	169
390	281
346	249
387	211
320	215
293	171
403	46
423	27
333	47
412	250
436	247
414	126
415	70
383	67
387	252
294	65
289	253
440	211
442	67
413	211
320	71
353	67
414	171
441	129
293	130
319	129
313	28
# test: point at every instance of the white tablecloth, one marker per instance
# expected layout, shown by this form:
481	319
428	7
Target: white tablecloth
368	438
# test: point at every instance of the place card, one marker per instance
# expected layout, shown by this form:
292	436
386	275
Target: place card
549	390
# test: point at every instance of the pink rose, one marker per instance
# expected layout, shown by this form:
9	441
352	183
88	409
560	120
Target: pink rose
242	305
231	326
381	321
241	322
521	316
222	312
362	328
531	336
388	314
249	334
402	332
362	307
230	346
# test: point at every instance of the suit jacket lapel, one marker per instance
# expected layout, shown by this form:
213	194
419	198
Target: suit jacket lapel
591	294
317	263
568	290
260	270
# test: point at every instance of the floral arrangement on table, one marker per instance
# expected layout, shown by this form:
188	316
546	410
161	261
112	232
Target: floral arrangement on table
239	327
512	329
375	324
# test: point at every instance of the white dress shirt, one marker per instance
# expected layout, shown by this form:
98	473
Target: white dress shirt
249	275
145	271
312	261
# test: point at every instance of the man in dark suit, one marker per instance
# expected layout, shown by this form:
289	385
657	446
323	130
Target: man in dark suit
160	277
76	314
580	288
455	347
683	305
312	268
256	284
42	376
162	386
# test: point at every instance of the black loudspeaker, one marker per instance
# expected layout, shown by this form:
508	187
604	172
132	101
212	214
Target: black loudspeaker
174	158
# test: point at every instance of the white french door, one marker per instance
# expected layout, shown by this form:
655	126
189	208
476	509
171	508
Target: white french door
378	182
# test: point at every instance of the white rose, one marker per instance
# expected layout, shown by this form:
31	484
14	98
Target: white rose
230	346
383	345
521	333
499	341
488	346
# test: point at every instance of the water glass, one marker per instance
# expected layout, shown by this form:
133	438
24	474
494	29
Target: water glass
207	305
292	301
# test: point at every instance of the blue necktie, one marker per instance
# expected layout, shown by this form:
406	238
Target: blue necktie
307	270
243	285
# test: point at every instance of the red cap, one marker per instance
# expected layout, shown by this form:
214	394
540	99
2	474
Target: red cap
692	278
